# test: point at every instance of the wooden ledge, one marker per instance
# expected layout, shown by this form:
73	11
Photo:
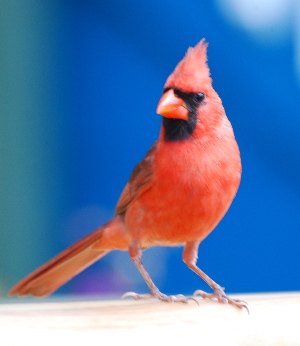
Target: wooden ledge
273	320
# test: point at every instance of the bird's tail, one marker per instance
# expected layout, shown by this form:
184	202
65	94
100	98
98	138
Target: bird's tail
70	262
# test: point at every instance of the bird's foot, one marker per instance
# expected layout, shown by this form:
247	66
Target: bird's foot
160	296
221	297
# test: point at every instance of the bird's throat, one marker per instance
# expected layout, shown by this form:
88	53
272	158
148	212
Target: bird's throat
178	129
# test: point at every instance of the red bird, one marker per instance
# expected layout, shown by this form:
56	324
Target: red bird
176	195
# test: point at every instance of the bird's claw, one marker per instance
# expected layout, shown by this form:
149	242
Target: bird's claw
136	296
160	296
221	297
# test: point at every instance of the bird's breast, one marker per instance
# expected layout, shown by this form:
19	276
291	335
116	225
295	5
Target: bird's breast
191	189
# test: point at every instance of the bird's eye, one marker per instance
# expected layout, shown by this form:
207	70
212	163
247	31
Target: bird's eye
199	97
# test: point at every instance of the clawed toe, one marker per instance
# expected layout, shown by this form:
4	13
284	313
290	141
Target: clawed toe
221	297
160	296
137	296
182	299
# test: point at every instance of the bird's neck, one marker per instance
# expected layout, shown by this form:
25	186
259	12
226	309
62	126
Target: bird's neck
177	129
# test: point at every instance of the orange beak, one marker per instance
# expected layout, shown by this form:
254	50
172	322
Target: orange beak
171	106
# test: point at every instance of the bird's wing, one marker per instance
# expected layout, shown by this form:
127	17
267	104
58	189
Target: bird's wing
139	182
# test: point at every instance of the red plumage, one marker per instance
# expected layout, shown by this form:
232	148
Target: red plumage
176	195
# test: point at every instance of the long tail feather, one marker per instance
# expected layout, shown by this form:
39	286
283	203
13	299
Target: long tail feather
60	269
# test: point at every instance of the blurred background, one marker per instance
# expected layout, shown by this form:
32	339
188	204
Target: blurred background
80	81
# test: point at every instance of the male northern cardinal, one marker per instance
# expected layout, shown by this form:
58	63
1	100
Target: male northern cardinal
176	195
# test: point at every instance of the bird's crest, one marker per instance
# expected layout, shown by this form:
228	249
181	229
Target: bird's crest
192	73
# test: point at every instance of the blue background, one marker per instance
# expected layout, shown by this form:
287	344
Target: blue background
81	81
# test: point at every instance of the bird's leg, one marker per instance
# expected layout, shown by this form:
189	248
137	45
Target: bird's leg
136	254
190	258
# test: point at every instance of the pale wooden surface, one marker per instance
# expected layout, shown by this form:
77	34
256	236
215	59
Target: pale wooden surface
274	320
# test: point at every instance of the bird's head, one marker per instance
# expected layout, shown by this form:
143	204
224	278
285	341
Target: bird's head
189	98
